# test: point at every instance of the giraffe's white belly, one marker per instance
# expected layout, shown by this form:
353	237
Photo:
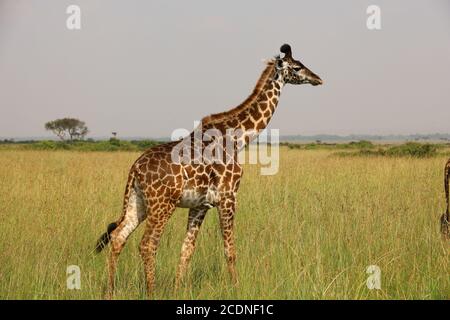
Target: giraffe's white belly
192	198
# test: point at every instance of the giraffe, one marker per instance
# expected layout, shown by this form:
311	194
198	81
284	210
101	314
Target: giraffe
445	218
157	184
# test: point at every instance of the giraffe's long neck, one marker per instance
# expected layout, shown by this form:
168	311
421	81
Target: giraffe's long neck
254	114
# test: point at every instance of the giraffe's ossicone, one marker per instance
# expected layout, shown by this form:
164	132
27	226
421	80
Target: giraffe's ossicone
157	183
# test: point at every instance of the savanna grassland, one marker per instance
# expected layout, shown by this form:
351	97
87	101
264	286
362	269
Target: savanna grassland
308	232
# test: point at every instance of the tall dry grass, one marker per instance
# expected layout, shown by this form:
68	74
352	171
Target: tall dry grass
309	232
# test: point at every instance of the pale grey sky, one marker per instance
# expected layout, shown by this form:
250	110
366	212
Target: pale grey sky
145	68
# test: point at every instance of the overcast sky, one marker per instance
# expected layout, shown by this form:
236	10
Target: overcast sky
144	68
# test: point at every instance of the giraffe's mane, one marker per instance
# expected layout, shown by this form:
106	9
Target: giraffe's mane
265	76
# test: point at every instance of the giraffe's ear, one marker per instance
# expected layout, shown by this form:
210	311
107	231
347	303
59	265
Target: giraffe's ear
279	63
286	49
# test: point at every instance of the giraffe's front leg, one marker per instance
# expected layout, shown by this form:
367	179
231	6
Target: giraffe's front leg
195	219
227	208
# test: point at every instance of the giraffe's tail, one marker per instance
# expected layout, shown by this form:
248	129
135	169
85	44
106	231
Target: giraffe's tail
104	239
445	218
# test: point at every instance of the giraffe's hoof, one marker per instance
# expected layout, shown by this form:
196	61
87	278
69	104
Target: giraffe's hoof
108	297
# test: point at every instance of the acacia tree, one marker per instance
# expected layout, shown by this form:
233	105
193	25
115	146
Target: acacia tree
67	127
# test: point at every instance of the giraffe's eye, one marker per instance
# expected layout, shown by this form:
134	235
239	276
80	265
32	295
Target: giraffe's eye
297	68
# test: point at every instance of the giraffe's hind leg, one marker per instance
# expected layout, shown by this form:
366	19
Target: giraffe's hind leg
135	213
445	226
158	215
195	219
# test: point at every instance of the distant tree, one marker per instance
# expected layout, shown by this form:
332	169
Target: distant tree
72	128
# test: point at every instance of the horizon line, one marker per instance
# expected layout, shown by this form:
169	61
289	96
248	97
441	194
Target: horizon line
286	136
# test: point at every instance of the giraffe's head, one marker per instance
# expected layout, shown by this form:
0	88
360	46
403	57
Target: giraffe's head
293	71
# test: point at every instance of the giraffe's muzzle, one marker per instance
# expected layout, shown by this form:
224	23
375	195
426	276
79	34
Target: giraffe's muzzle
313	78
317	82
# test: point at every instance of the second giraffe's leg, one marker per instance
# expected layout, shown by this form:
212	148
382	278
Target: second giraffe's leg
157	219
135	213
226	210
196	217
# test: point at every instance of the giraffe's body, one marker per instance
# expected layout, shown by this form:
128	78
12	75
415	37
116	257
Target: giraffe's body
157	184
